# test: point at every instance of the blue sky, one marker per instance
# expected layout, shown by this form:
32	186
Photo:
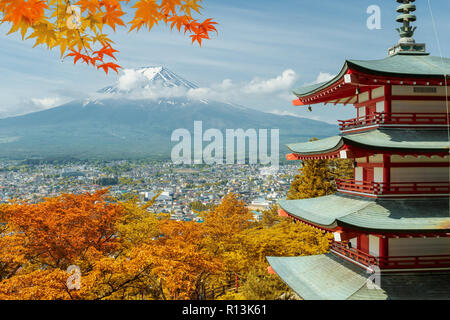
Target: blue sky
258	40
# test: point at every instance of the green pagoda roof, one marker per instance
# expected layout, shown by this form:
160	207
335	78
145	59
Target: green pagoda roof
407	215
386	139
400	65
329	277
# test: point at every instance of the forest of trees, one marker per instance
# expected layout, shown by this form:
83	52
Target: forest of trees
123	250
94	246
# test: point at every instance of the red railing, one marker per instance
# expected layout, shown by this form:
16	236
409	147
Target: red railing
357	186
380	188
353	253
395	118
394	262
414	262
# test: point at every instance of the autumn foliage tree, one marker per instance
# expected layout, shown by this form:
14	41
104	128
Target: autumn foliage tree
77	27
317	178
124	250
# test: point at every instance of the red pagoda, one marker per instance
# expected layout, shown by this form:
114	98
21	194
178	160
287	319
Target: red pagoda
392	220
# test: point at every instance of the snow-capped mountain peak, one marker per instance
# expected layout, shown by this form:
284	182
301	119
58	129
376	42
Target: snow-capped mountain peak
148	78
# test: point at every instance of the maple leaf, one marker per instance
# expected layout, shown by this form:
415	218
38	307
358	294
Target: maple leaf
191	5
108	50
178	21
112	17
102	38
109	65
198	37
169	6
146	14
208	26
30	11
48	20
77	55
88	5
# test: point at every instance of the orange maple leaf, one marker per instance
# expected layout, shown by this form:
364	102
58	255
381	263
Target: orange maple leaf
109	65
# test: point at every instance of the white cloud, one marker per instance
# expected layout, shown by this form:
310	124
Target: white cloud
323	77
285	113
292	114
25	106
256	90
130	79
133	84
285	81
47	102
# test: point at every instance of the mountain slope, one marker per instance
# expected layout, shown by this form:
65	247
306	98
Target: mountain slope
118	127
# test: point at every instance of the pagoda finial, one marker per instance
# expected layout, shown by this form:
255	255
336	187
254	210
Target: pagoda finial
407	44
406	31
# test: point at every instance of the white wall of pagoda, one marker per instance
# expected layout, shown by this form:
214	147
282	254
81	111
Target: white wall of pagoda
402	169
378	174
354	242
374	245
438	171
406	106
418	246
422	91
420	174
400	105
421	159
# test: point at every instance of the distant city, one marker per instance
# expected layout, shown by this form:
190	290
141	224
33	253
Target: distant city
179	187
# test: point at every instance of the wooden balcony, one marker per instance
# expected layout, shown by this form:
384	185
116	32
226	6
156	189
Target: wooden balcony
414	262
353	254
393	188
394	262
396	119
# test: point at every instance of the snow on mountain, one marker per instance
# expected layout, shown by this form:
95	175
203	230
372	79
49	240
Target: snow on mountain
135	118
147	79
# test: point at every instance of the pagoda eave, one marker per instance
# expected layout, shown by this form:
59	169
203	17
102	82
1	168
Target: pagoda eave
360	76
333	277
352	152
349	231
386	141
339	212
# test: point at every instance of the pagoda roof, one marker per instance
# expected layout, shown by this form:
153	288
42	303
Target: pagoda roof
387	139
397	66
352	212
330	277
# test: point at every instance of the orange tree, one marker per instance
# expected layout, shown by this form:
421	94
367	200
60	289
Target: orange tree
77	26
243	245
123	250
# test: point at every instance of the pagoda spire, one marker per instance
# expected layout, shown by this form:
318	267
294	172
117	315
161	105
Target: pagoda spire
406	31
407	44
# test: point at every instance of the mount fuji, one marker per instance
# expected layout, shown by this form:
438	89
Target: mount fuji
135	118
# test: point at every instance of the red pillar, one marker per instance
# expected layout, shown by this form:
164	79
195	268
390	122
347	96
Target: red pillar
388	98
384	249
363	243
386	171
